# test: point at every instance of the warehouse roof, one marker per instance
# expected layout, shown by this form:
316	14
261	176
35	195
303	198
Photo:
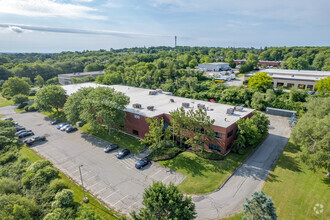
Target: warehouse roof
81	74
162	103
217	63
310	73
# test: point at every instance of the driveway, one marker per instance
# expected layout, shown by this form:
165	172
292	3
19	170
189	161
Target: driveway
235	82
115	182
248	178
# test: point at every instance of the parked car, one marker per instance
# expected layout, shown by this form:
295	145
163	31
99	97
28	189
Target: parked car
8	119
34	140
142	163
19	132
123	153
71	129
25	134
110	148
19	128
61	125
55	122
64	127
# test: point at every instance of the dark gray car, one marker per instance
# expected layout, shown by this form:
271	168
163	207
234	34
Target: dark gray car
110	148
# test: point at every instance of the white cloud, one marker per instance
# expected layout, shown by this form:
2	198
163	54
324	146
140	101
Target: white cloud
48	8
82	0
15	29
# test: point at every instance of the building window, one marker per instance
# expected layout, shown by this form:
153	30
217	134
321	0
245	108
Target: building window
310	87
218	135
215	147
290	85
280	84
228	147
301	86
135	132
230	133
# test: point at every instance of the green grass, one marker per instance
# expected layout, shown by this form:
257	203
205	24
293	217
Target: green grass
4	102
1	116
238	216
19	110
295	189
54	114
203	175
123	140
99	208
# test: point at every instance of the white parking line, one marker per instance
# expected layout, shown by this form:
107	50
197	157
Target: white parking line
90	178
94	184
101	190
165	178
120	200
111	194
155	173
131	205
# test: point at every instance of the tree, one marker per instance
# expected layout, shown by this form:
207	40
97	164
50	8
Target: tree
14	86
93	67
165	202
323	86
20	98
179	123
246	67
64	199
232	64
312	133
39	80
50	97
157	137
105	106
199	124
53	81
260	81
260	207
193	63
73	105
252	60
4	73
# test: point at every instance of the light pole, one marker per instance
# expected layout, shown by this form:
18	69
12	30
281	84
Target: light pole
82	183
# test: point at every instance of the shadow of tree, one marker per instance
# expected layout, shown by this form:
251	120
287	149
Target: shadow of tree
289	163
272	178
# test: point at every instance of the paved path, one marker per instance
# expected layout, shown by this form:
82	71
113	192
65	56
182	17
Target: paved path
248	178
115	182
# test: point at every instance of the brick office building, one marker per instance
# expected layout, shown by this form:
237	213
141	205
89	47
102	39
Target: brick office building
145	103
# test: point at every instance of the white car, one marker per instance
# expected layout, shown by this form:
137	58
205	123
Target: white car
64	127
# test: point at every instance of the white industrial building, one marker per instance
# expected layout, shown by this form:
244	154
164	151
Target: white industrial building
215	67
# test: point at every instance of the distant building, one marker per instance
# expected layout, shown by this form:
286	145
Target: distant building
301	79
215	67
145	103
66	79
261	62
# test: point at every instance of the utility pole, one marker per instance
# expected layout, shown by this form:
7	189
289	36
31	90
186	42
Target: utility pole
175	41
82	183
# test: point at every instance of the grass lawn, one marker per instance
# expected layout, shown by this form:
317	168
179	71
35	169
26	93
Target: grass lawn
203	175
78	193
295	189
1	116
4	102
57	115
235	217
123	140
19	110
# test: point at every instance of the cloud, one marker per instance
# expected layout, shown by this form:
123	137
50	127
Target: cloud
48	8
82	0
19	28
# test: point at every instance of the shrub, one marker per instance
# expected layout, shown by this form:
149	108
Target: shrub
38	165
20	98
64	199
7	158
22	105
209	155
32	92
165	153
57	185
8	186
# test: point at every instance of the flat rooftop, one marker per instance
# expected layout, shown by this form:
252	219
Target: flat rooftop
69	75
217	63
311	73
163	105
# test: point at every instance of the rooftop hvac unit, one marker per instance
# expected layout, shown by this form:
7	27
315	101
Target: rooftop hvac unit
150	108
137	105
238	108
171	100
200	106
230	111
152	93
159	90
185	104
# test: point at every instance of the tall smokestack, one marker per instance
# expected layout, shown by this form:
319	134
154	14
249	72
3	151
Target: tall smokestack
175	40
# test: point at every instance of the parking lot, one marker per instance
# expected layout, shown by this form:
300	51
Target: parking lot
116	182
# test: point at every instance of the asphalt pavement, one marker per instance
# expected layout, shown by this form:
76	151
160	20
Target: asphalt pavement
115	182
248	178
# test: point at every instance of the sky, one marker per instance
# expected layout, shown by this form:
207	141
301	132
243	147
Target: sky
74	25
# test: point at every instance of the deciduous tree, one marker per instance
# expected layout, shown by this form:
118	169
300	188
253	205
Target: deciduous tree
165	202
14	86
50	97
260	81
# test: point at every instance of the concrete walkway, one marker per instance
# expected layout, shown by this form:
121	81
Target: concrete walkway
248	178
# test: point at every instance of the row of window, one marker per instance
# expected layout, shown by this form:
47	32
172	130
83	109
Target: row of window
214	147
